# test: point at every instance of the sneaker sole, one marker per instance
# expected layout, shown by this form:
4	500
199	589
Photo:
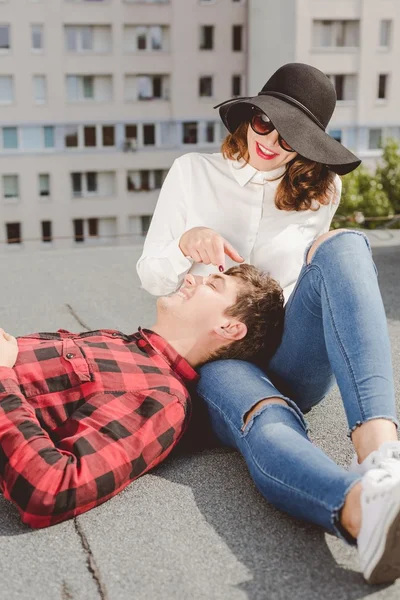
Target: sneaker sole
387	569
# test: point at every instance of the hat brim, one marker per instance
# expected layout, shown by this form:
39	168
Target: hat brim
297	129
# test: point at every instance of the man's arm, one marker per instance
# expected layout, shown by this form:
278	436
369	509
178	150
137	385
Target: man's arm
95	458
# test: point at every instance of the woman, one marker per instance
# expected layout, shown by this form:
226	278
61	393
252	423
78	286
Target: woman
269	199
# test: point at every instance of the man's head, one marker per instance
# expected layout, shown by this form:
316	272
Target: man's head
236	314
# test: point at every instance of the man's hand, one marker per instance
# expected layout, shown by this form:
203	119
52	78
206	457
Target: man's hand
8	349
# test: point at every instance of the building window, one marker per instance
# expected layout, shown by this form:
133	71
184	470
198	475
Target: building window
236	85
205	87
93	227
130	142
108	135
146	87
145	180
37	37
145	223
10	138
88	38
13	233
336	134
149	135
190	132
39	89
345	85
78	230
10	187
46	231
152	38
6	89
49	137
336	34
89	134
206	37
81	88
385	34
44	185
237	35
71	136
210	132
382	87
100	184
144	1
35	138
5	37
375	139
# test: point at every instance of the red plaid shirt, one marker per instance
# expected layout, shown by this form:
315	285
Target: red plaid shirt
83	415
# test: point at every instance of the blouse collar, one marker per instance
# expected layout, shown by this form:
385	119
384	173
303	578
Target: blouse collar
243	172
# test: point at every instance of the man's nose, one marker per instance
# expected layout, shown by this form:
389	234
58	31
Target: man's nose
190	280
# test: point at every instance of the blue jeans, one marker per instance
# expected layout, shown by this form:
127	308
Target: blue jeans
335	329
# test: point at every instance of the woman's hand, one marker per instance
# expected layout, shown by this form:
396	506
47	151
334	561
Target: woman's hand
204	245
8	349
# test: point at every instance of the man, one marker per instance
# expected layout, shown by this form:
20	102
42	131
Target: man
83	415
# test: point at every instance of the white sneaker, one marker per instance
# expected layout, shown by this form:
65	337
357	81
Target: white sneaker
389	453
379	538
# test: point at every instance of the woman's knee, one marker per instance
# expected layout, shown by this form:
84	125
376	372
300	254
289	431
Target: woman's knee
352	240
258	406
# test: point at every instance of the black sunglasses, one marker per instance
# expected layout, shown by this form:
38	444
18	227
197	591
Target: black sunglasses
262	125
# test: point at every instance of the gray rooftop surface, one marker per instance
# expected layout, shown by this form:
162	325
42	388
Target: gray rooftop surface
195	528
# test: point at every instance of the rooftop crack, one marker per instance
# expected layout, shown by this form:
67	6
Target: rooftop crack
91	563
77	318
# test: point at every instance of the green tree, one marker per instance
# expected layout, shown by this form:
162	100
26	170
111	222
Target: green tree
363	195
388	172
366	194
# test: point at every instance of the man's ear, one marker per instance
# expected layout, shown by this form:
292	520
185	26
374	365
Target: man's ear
231	331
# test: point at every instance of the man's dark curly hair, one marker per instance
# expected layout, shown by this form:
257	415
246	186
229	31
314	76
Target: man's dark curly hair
259	306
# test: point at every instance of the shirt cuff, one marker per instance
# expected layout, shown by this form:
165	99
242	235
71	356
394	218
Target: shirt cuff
8	380
179	261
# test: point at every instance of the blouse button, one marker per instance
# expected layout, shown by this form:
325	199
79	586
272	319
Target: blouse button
70	355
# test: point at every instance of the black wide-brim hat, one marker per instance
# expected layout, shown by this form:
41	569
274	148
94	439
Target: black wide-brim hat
299	100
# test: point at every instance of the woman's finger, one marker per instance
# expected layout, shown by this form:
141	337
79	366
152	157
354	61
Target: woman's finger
230	251
194	255
219	253
205	258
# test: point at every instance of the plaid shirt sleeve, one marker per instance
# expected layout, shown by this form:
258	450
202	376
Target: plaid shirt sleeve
95	457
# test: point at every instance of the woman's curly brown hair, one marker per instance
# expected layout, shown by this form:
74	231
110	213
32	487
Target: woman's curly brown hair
305	185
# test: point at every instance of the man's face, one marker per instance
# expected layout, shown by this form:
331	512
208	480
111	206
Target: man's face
200	303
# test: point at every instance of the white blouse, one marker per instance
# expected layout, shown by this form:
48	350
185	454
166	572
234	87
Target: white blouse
237	201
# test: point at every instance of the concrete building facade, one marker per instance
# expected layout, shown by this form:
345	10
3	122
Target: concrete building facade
98	97
355	42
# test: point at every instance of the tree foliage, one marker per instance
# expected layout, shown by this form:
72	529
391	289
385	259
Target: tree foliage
367	194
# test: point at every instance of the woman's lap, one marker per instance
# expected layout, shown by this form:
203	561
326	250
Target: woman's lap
301	370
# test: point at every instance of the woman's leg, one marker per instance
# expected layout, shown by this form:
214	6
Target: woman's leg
335	326
290	472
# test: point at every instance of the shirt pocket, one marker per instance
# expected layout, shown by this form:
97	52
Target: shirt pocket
47	367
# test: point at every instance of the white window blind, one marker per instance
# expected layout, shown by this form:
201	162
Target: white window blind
37	37
6	89
103	88
39	89
44	185
10	186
